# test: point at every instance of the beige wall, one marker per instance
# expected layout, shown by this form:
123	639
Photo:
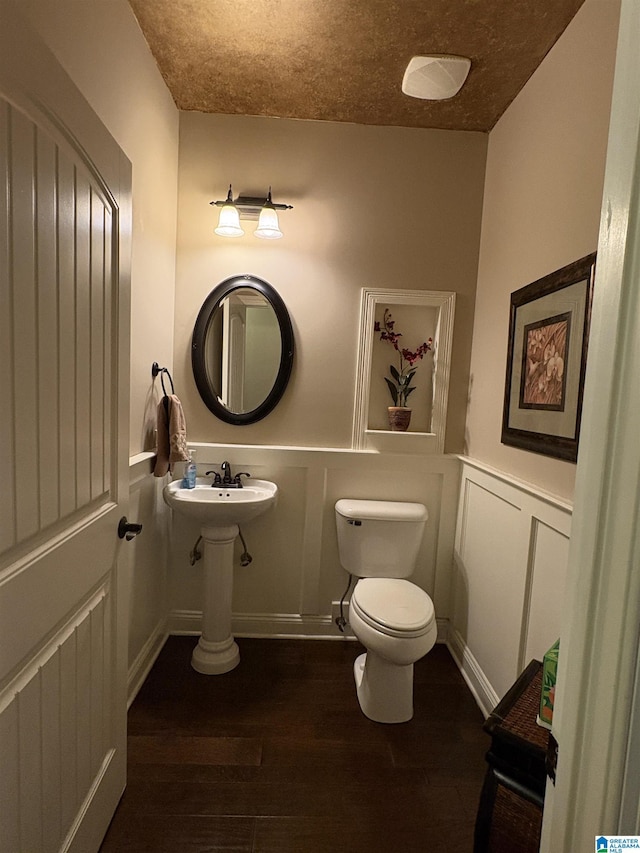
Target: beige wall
545	170
373	206
101	47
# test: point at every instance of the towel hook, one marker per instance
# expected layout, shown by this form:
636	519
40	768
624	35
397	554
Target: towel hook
155	370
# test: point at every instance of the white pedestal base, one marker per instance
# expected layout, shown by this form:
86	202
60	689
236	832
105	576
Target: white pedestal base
217	651
215	658
384	690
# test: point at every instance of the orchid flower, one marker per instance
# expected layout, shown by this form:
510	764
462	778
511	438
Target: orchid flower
400	385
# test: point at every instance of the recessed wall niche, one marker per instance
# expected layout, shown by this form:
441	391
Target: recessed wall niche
418	315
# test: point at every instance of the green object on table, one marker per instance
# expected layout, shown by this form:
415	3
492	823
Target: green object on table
549	677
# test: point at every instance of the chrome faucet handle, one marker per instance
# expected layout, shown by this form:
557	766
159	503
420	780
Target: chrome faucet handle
217	479
237	479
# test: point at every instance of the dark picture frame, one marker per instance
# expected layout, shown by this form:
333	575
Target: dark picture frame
546	361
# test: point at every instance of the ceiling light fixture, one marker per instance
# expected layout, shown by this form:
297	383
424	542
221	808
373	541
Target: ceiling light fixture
249	207
435	78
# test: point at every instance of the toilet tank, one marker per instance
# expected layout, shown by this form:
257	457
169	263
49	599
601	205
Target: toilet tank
379	539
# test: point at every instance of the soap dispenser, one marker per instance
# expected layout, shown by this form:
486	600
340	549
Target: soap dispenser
190	472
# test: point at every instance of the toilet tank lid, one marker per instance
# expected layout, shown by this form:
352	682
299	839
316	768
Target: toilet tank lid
381	510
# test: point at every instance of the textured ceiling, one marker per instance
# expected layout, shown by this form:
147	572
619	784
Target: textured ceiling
343	60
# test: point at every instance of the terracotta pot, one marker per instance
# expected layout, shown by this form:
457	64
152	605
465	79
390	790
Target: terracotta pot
399	418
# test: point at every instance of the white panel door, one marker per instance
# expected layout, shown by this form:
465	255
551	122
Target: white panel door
64	306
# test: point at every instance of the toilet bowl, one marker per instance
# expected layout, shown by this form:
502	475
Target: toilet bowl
395	621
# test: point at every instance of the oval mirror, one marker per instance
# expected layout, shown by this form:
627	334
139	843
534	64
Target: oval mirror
242	349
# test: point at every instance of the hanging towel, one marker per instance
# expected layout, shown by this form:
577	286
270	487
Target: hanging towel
172	435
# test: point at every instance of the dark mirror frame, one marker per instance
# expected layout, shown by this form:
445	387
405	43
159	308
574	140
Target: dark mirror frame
209	307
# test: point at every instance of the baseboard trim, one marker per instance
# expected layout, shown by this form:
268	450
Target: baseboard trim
146	658
476	680
276	625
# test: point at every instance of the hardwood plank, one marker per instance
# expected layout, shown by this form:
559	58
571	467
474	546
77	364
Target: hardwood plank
169	749
278	775
166	719
327	753
280	747
189	834
437	755
312	835
332	800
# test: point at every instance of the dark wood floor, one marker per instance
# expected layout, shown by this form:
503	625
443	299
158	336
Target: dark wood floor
276	757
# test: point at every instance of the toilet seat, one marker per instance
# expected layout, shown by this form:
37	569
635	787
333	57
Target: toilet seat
393	606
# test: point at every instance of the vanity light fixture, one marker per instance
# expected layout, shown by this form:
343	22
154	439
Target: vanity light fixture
268	227
249	207
229	220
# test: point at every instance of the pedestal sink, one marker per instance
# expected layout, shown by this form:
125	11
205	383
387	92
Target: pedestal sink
219	510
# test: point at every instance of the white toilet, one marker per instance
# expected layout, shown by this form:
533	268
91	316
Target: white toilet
393	618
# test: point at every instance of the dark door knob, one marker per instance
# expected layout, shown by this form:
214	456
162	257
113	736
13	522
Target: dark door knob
127	529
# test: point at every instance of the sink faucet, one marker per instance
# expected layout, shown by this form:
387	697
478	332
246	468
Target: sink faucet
226	479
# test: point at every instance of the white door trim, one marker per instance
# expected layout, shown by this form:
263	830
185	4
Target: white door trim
597	716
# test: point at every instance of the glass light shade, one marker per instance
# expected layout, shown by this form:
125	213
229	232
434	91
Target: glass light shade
268	228
229	222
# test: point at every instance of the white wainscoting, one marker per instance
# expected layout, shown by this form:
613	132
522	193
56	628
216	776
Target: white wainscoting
146	573
493	557
511	551
295	574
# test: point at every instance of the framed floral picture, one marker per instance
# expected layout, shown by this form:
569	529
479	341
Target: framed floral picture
546	361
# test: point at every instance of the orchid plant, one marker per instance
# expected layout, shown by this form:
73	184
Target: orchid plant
400	384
